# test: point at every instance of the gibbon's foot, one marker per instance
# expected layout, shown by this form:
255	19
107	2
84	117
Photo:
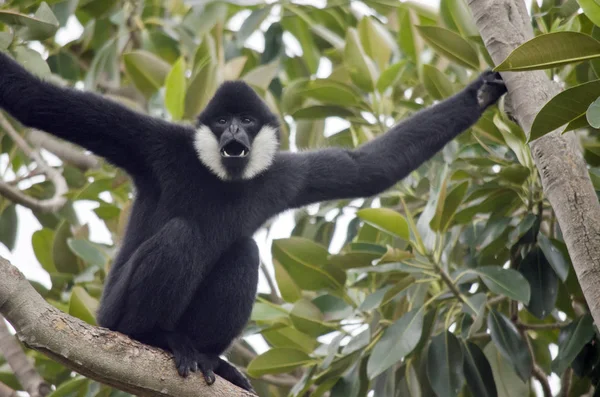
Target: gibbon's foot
207	365
184	353
491	89
185	362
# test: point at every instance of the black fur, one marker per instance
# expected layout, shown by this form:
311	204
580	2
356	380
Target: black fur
185	277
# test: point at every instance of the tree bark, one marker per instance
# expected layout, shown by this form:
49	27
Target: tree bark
504	25
97	353
6	391
18	361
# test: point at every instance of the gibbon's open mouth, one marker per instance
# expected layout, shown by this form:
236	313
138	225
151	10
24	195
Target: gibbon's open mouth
234	149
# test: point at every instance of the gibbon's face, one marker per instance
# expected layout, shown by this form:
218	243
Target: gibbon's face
237	135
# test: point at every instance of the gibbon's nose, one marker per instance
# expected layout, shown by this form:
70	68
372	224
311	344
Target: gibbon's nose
234	145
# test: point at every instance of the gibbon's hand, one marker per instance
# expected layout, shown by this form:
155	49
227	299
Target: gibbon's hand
489	87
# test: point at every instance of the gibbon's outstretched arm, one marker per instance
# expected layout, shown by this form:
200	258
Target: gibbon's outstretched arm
379	164
122	136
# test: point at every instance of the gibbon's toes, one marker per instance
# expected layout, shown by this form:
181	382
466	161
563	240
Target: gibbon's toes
209	377
207	365
185	363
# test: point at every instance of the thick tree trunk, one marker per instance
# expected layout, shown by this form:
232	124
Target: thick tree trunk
504	25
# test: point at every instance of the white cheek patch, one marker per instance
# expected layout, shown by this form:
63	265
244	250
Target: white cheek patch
263	151
207	147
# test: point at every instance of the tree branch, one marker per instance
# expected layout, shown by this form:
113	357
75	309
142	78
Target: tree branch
12	193
6	391
18	361
504	25
97	353
63	150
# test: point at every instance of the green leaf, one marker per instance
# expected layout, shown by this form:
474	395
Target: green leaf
322	112
436	83
82	305
332	307
397	341
9	223
305	262
267	312
289	290
565	107
64	260
331	92
572	339
31	60
308	319
458	11
290	337
391	76
445	365
253	22
551	50
175	90
71	387
201	89
360	67
451	45
447	206
507	282
478	372
65	65
543	282
507	381
147	71
409	41
510	343
6	39
88	252
39	27
376	41
262	76
357	342
42	241
387	220
300	27
160	43
593	114
554	257
591	9
277	360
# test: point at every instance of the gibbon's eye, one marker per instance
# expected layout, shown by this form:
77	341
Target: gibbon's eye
222	121
246	120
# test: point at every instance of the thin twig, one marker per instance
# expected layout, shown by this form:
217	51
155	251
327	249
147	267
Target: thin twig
274	296
52	204
539	326
18	361
63	150
565	383
539	374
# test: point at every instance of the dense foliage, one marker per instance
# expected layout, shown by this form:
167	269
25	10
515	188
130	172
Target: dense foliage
454	282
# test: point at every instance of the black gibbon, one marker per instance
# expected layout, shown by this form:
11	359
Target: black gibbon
185	277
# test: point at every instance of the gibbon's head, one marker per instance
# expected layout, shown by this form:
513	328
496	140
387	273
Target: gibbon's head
237	135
